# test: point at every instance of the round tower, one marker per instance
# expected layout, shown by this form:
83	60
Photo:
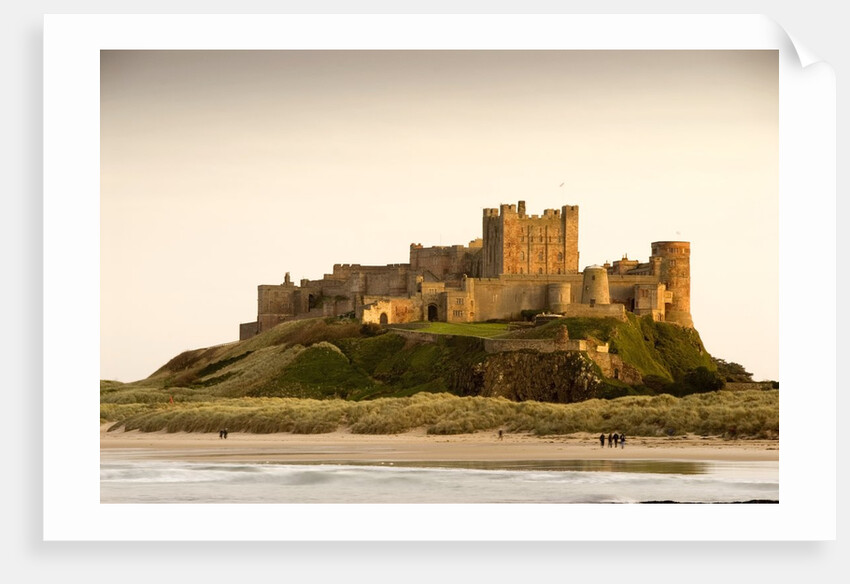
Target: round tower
558	296
675	274
595	286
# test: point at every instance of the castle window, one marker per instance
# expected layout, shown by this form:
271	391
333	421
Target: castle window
560	256
522	255
539	270
541	239
540	256
459	301
592	278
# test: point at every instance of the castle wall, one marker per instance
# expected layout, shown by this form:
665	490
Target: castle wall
649	299
389	310
269	321
346	271
612	367
248	330
276	299
355	279
539	345
492	244
506	298
448	263
617	311
460	306
391	283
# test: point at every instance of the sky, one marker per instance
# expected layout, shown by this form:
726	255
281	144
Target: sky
223	170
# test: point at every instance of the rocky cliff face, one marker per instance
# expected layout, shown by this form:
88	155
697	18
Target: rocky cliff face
527	375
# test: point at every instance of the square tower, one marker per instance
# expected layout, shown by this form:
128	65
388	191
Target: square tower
518	244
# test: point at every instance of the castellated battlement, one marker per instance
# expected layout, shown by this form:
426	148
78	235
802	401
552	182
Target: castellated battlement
662	248
520	263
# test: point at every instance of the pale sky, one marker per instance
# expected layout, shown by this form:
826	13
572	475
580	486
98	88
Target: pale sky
222	170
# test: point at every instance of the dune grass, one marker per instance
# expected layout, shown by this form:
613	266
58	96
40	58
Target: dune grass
740	414
322	375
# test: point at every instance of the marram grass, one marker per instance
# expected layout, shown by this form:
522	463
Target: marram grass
740	414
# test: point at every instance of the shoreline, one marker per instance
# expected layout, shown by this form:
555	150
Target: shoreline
417	446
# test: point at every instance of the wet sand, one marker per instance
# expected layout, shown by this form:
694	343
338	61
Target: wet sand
417	446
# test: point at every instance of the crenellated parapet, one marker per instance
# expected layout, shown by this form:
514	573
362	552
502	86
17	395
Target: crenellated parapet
522	263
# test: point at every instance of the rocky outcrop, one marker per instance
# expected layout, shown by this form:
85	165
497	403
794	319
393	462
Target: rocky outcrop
527	375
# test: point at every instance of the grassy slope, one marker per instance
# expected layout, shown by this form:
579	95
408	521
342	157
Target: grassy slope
313	358
654	348
321	359
251	386
469	329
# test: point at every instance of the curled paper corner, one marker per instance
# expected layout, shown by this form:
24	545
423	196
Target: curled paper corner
805	56
792	45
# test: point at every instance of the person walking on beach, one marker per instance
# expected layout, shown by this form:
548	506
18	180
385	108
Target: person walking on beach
622	440
602	440
221	434
616	439
225	433
610	440
500	434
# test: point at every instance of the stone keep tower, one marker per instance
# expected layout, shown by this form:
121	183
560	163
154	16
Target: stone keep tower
516	243
675	274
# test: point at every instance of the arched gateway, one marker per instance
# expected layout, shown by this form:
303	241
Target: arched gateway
432	312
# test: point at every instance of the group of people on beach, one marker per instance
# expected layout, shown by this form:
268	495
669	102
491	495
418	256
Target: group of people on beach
613	440
222	433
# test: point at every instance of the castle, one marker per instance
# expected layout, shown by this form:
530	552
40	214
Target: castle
521	263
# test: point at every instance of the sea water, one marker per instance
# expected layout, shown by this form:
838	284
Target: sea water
585	481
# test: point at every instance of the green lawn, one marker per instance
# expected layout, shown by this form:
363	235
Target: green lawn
466	329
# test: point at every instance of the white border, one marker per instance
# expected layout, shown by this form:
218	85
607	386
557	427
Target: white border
71	292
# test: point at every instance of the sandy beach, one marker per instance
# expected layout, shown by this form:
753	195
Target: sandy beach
417	446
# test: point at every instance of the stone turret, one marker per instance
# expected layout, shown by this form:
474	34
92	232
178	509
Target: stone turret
558	296
675	274
595	286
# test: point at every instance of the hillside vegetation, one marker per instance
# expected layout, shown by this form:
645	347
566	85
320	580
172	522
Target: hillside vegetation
317	375
657	349
329	358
